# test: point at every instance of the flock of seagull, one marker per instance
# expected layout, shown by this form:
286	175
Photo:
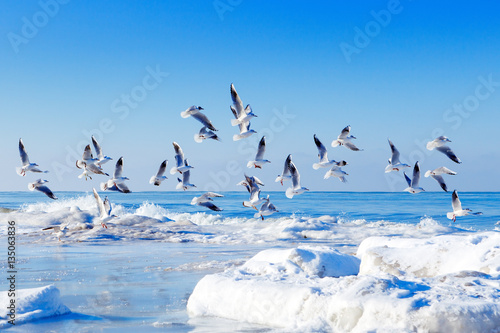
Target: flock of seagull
242	117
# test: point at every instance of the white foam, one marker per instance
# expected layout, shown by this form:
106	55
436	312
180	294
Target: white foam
32	304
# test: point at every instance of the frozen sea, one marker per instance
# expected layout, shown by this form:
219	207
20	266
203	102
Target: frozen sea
328	261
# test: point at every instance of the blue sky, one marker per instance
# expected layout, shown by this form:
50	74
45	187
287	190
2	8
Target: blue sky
423	69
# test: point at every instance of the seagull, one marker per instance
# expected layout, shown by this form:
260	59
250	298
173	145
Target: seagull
285	175
194	111
89	164
394	163
27	166
323	155
179	160
413	183
117	182
259	157
59	230
205	200
336	171
457	208
296	189
252	179
253	188
436	174
205	134
190	111
440	145
156	180
241	116
184	183
101	158
266	209
38	185
345	139
104	208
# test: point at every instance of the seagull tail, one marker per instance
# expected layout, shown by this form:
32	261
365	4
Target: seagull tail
198	138
31	187
316	166
449	215
179	186
389	168
428	173
185	114
335	143
289	193
152	180
19	171
104	186
327	175
250	164
237	137
173	170
235	122
257	215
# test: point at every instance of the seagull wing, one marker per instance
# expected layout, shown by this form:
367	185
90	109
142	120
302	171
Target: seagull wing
210	205
238	104
261	150
395	153
46	190
100	204
295	175
179	155
351	145
286	169
455	202
441	182
22	152
345	132
95	169
444	170
107	206
408	180
448	152
202	118
87	153
97	148
212	195
122	187
162	168
416	176
322	153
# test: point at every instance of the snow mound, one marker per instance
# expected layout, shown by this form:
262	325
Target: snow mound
32	304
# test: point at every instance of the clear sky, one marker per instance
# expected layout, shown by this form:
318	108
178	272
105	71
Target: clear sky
124	70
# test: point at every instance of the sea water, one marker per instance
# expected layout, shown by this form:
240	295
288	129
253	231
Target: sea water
139	273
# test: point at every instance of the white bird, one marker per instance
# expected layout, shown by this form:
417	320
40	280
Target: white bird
39	186
344	139
323	155
59	230
241	116
259	157
117	182
180	166
89	164
253	188
413	183
184	183
26	165
440	145
296	189
336	171
457	208
253	179
205	200
394	163
104	208
285	175
436	174
156	180
101	158
266	209
190	111
204	134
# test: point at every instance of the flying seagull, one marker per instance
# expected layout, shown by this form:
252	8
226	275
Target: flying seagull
252	187
190	111
195	112
89	164
285	175
204	134
296	189
180	166
104	208
266	209
205	200
457	208
344	139
394	163
336	171
436	174
259	157
184	183
59	230
413	183
39	186
117	182
241	115
156	180
324	162
101	158
27	166
440	145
